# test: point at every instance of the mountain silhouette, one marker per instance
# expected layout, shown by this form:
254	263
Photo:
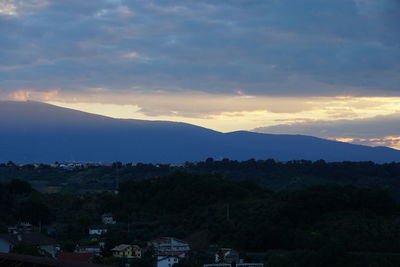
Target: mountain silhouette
38	132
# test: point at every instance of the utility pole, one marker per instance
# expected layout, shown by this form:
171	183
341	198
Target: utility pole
117	178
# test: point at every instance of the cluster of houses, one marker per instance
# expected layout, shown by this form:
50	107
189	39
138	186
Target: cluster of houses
78	165
167	250
61	165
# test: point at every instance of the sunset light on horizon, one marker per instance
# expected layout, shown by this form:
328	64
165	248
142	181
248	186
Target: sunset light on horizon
223	65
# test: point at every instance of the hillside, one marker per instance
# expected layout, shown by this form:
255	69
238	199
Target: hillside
326	225
38	132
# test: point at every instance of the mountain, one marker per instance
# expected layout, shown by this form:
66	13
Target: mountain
38	132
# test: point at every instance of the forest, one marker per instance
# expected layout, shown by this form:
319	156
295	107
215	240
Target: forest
269	173
318	225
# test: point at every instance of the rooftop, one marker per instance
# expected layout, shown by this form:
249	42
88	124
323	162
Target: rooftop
121	247
7	259
166	239
82	257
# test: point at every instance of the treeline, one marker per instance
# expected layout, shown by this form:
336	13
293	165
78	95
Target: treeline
249	217
269	173
348	225
20	203
299	173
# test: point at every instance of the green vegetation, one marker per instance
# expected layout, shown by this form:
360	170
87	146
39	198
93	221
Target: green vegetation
319	225
26	249
269	173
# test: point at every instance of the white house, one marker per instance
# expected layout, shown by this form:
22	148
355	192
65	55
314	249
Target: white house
169	246
88	249
167	261
107	218
21	227
8	241
97	230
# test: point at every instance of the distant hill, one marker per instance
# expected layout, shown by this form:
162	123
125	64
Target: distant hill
38	132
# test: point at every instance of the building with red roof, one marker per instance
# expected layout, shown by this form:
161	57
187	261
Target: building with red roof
72	256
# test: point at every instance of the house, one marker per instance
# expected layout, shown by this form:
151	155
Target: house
96	250
12	229
218	265
107	218
97	230
8	241
167	261
21	227
169	246
127	251
250	265
227	255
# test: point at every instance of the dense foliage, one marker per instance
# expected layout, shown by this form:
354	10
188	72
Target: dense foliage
269	173
312	226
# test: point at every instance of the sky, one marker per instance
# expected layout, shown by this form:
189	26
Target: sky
324	68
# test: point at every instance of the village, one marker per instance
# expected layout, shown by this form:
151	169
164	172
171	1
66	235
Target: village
165	251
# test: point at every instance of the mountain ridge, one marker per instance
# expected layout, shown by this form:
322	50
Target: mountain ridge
39	132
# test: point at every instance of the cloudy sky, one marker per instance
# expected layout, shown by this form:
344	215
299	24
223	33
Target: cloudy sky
316	67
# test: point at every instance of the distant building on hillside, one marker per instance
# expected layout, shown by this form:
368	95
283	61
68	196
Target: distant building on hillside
96	250
168	261
21	227
169	246
107	218
127	251
97	230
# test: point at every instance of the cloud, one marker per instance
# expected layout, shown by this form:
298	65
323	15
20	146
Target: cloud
281	48
378	126
311	65
31	95
7	7
194	104
223	112
376	131
187	104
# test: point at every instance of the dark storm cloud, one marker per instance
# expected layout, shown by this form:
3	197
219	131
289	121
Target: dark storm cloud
286	47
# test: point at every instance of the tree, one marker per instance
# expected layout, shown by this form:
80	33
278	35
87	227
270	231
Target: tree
281	261
19	187
26	249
